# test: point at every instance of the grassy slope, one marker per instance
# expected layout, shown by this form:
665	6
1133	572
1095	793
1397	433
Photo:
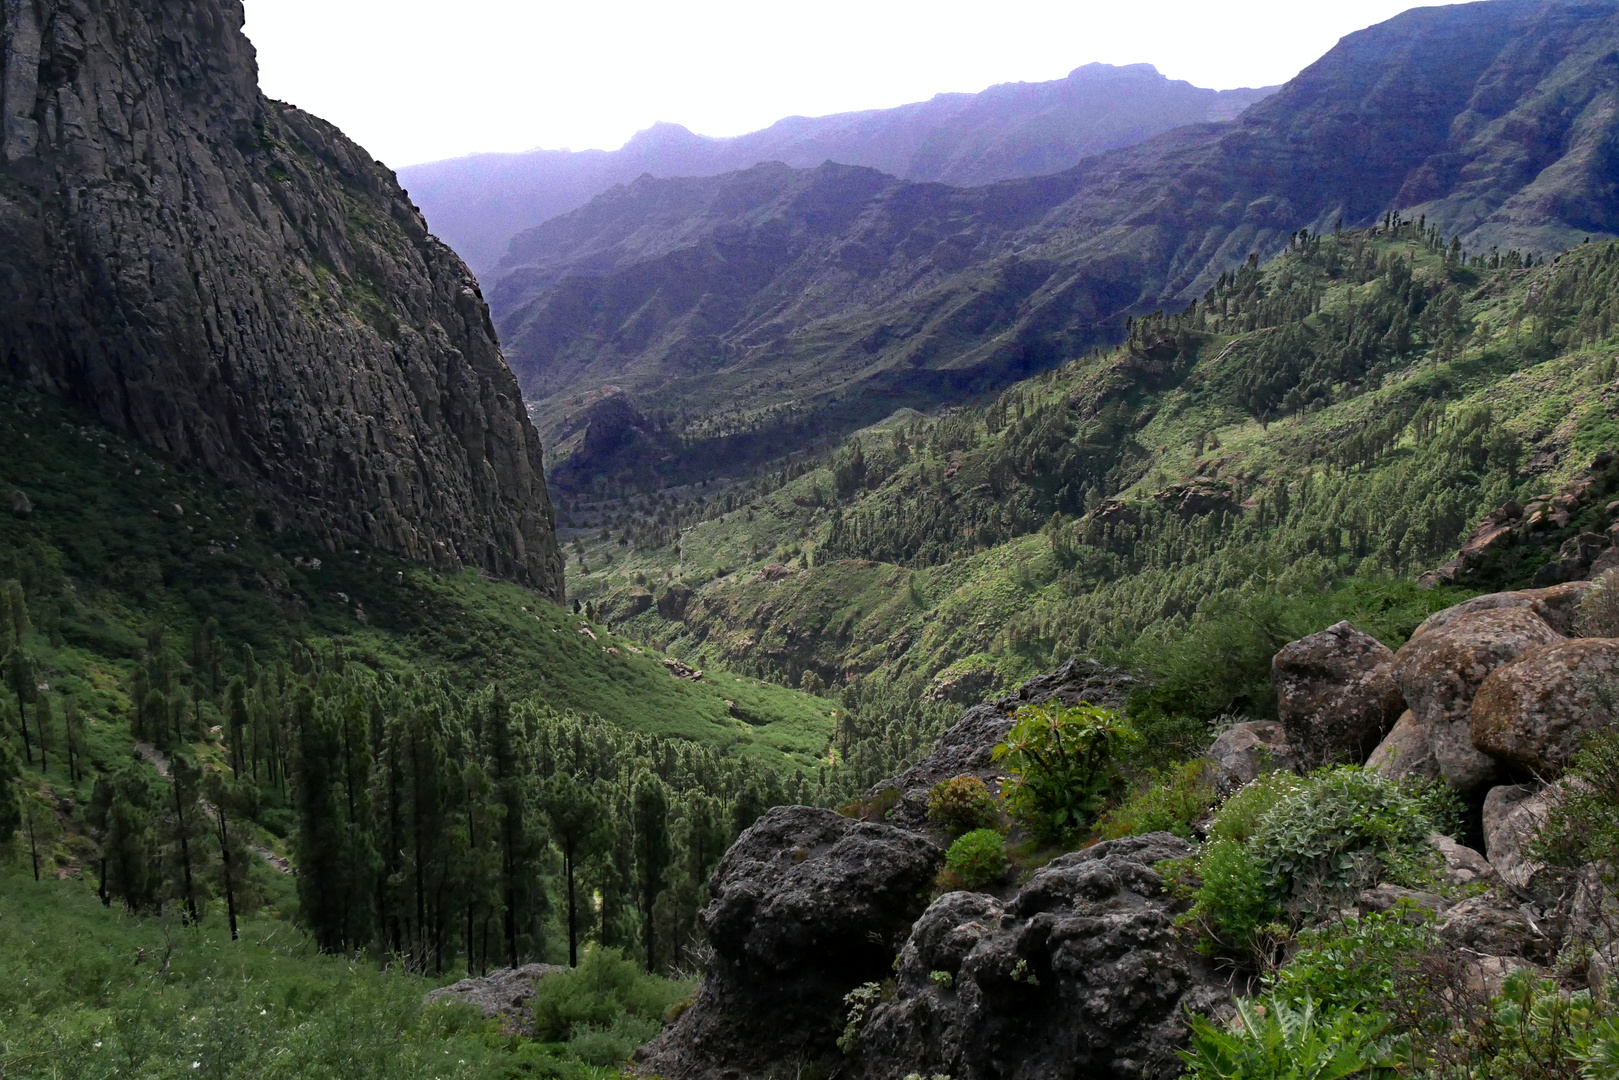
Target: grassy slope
120	538
1005	609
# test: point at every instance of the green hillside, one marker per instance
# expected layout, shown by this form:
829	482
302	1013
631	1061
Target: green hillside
119	539
1327	425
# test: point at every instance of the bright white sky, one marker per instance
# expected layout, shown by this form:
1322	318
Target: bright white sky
419	80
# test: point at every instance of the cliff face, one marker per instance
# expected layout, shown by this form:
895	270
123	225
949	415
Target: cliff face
234	282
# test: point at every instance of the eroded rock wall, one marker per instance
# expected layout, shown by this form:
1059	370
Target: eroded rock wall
237	284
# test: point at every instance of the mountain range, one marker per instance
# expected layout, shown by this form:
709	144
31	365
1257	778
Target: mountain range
772	305
478	203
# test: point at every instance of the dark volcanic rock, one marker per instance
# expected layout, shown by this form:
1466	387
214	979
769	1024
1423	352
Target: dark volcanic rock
1246	750
233	282
1081	974
1336	694
807	906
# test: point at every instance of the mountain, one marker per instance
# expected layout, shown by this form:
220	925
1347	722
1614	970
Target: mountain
234	283
478	203
775	305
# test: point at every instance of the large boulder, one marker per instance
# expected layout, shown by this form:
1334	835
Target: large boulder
1336	694
1534	711
1246	750
1441	669
1557	605
807	906
1081	974
1405	751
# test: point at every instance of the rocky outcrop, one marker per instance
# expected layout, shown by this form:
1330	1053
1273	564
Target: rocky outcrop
1440	670
1336	694
500	995
1559	537
1557	605
1405	751
1534	711
967	748
1081	974
1246	750
807	906
233	282
1513	815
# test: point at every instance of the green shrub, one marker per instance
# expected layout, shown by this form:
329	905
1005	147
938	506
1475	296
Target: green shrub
1286	850
1582	829
1272	1040
1171	801
962	804
1064	760
1598	614
593	998
1352	963
976	859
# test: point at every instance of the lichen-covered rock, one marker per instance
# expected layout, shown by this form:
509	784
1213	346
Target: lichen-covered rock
1513	816
1534	710
1462	865
1244	751
1336	694
501	995
1404	752
1494	926
231	281
1557	605
807	906
1081	974
1440	670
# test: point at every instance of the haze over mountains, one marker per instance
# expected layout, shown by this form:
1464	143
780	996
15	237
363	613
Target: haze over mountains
478	203
775	303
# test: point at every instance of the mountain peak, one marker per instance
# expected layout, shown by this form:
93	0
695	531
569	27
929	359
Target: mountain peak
1113	71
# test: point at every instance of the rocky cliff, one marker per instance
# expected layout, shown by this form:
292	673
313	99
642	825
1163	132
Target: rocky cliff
232	281
796	301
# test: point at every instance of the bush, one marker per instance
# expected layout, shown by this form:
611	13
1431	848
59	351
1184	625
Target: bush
1172	800
1352	963
1272	1040
976	859
1064	761
1582	829
1598	613
1286	850
962	804
595	997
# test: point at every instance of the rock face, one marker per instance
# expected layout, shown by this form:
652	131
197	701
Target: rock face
1405	751
1533	711
501	995
1441	669
1557	605
1513	816
1244	751
232	281
1336	694
807	906
1081	974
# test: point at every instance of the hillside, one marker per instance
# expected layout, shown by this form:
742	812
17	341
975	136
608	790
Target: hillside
476	204
770	307
1341	414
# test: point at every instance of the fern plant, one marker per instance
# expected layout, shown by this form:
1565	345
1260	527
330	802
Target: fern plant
1272	1040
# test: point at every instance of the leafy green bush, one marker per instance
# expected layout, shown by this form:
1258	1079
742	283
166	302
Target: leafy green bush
1171	801
975	859
1064	760
1352	963
1582	829
962	804
1286	850
597	995
1272	1040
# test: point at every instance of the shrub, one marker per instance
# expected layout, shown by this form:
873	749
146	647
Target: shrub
1598	613
1582	829
976	858
962	804
596	996
1272	1040
1286	849
1064	761
1352	963
1172	800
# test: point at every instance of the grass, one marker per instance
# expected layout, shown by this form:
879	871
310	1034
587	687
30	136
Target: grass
90	993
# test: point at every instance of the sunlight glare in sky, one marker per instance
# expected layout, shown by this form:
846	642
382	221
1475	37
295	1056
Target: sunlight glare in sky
415	81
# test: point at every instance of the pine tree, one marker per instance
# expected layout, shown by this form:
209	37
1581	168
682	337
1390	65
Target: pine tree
121	811
186	833
229	800
578	830
20	678
649	817
10	807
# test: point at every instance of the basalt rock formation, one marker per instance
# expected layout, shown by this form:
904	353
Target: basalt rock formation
233	282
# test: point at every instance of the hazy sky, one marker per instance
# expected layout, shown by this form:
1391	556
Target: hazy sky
414	80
